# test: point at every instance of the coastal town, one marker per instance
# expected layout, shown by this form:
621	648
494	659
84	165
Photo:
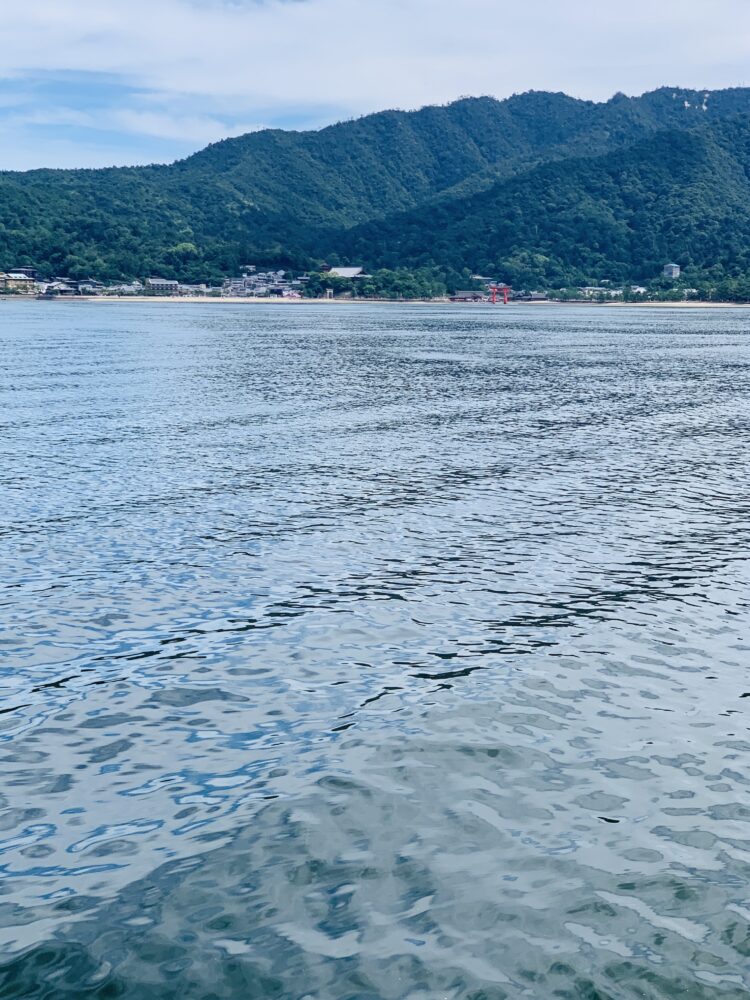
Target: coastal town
325	283
250	284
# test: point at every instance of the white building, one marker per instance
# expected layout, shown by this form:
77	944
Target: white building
597	292
672	271
259	284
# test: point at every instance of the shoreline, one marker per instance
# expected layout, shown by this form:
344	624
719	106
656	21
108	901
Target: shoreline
237	300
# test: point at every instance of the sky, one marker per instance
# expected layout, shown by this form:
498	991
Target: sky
91	83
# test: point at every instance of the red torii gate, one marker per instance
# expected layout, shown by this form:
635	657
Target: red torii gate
505	290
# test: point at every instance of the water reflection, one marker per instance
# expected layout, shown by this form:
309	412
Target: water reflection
380	652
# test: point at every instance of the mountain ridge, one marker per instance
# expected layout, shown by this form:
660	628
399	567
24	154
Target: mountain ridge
299	196
682	195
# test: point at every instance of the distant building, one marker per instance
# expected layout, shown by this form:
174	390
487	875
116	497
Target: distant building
90	287
134	288
259	284
18	281
672	271
161	286
597	292
470	296
347	272
58	288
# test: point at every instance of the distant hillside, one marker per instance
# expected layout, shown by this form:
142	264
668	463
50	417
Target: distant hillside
620	216
348	190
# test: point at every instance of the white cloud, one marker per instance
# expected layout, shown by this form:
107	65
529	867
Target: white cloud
185	128
50	115
248	61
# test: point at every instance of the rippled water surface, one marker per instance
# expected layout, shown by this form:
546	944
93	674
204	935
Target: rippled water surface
374	652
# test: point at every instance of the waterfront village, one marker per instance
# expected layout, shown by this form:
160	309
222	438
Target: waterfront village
327	283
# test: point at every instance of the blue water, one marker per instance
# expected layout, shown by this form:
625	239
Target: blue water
374	652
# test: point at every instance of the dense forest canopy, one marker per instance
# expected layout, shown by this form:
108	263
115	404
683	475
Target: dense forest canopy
539	189
618	217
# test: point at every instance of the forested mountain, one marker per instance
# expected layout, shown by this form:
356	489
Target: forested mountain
619	216
476	184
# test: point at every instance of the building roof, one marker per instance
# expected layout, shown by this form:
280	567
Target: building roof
347	272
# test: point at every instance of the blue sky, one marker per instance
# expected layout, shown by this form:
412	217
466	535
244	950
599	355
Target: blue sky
68	118
84	83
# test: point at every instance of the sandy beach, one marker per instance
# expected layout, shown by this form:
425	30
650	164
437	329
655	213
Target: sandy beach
238	300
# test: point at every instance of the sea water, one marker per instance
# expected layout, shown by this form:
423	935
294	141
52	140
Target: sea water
374	652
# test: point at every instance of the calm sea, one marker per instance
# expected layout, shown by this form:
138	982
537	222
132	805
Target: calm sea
374	653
